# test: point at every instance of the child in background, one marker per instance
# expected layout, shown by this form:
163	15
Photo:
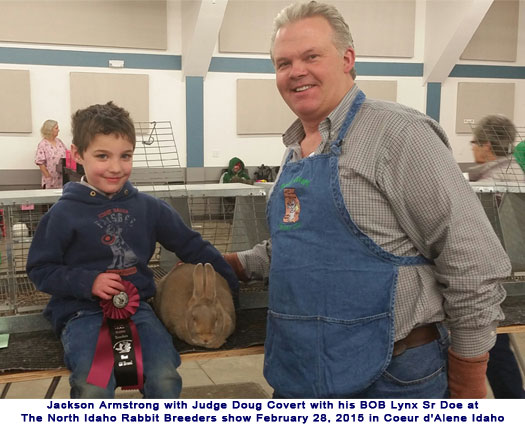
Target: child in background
95	243
236	172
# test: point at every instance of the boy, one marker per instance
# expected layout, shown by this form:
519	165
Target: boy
98	238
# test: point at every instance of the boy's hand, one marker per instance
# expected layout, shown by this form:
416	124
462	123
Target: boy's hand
106	285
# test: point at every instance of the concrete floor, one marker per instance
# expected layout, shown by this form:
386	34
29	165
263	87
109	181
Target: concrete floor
198	375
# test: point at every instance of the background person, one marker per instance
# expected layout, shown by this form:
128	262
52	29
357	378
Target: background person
49	152
236	172
492	147
377	239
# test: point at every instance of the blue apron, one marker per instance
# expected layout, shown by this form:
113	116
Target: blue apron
330	327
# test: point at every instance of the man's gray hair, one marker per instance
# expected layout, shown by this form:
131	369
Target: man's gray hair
297	11
497	130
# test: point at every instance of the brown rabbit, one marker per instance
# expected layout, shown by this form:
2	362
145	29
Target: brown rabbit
195	303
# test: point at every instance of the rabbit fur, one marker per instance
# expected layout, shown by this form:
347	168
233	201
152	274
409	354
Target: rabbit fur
195	303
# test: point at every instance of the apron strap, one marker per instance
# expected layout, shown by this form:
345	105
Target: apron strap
335	146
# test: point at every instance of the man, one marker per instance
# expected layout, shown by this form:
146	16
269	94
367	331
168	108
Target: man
387	240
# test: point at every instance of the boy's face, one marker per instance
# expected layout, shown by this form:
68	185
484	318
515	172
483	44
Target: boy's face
107	162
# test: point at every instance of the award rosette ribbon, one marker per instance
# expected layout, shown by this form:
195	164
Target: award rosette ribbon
118	345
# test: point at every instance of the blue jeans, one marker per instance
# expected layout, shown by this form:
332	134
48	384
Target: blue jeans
160	359
503	372
419	372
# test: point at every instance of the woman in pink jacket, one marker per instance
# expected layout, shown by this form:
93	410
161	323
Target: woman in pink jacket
48	154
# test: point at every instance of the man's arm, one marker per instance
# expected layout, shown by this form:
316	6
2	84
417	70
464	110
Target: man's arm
444	219
252	261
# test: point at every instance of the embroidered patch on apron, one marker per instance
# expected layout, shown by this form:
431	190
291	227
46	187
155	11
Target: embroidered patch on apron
292	206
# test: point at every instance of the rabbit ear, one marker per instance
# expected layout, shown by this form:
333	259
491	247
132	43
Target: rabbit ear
210	290
198	281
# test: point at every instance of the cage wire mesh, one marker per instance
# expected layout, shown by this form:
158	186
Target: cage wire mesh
231	216
17	292
502	193
502	148
230	223
156	159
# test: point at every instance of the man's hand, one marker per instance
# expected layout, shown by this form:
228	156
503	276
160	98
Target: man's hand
466	376
106	285
233	260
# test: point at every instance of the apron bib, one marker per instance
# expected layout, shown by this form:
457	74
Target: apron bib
330	326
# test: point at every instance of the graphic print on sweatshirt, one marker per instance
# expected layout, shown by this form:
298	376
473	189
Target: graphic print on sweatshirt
113	222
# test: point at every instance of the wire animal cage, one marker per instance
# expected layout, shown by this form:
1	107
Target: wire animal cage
21	211
231	216
156	159
501	187
500	151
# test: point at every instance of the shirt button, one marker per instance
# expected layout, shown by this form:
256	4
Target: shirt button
126	191
92	193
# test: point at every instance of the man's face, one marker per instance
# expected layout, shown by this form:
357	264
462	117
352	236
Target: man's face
312	76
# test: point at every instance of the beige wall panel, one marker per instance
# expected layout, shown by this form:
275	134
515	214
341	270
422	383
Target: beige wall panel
15	101
261	109
383	28
130	91
496	38
122	23
247	26
475	100
375	89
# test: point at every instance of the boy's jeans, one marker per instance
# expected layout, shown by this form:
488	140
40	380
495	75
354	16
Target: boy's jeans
160	359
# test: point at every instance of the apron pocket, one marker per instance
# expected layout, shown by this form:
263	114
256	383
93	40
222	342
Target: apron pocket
290	356
311	356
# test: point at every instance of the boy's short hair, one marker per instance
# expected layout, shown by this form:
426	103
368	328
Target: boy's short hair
101	119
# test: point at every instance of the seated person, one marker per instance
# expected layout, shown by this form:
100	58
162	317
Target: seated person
91	253
236	173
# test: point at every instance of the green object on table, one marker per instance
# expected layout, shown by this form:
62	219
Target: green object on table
519	154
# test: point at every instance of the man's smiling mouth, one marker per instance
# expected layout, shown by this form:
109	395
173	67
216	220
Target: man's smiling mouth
302	88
